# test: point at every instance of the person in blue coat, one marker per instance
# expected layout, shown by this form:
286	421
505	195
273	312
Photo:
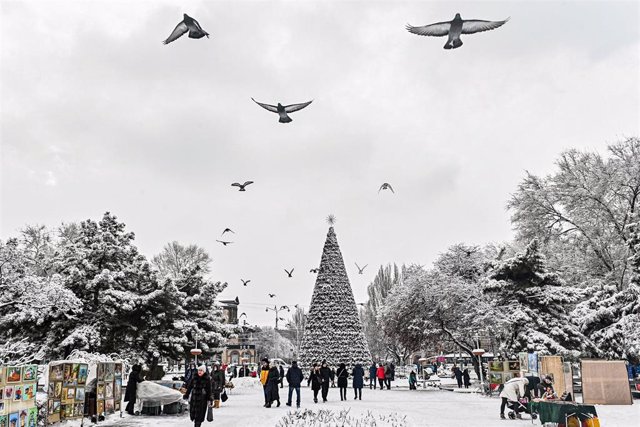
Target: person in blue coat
358	380
373	369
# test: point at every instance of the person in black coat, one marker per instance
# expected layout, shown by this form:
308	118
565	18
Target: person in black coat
532	387
217	384
465	378
457	374
294	379
281	372
315	379
199	396
358	381
273	378
325	373
342	375
135	377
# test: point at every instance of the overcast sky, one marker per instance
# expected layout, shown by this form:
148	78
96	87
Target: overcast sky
98	115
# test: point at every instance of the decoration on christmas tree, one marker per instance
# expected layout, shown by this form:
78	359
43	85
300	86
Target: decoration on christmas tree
333	330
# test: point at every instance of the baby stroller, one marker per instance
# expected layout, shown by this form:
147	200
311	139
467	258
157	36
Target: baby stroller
518	407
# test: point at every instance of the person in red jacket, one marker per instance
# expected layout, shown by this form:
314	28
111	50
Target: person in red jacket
380	375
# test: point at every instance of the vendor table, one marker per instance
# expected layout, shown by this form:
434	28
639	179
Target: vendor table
559	411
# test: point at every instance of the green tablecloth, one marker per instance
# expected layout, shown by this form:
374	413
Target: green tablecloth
556	412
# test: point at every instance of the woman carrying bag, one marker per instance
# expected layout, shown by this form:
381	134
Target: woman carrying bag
217	384
343	376
200	397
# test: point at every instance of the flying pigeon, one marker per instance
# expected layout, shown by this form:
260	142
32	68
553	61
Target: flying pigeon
289	273
272	295
314	270
360	270
283	110
187	24
242	186
243	314
455	28
386	186
245	282
228	230
224	242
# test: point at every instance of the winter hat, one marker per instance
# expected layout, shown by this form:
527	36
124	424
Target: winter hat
202	368
294	363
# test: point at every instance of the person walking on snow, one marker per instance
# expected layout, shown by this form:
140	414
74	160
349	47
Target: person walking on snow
273	379
342	375
465	378
135	377
513	390
264	374
372	375
412	381
294	379
325	373
315	379
388	374
217	384
380	375
358	381
281	372
457	374
199	396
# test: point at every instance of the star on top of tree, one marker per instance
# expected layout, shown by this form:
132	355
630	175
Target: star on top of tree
331	219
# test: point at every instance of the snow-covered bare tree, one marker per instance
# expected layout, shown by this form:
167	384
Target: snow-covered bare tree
270	343
176	258
580	213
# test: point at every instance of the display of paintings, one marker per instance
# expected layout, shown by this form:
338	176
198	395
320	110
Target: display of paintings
67	411
28	391
17	393
58	391
524	361
100	372
29	373
14	419
78	409
496	366
23	417
3	420
56	373
118	370
83	372
1	380
3	409
506	376
8	392
100	391
109	371
117	389
109	407
116	405
514	365
495	378
68	394
32	417
1	395
100	406
108	390
533	362
69	378
80	394
14	374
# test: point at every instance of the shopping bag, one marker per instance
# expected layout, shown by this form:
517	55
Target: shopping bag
224	396
209	414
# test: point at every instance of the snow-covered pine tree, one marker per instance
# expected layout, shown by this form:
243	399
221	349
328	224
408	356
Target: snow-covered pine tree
333	330
125	309
534	304
612	317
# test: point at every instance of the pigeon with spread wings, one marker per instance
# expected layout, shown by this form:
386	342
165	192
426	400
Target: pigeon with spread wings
455	28
242	186
245	282
187	24
361	270
386	186
283	110
289	273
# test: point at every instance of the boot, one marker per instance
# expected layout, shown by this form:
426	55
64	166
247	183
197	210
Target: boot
502	417
278	403
216	404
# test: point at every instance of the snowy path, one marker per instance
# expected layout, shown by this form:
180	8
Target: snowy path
424	408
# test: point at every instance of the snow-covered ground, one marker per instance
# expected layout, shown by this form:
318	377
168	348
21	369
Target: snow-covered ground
424	408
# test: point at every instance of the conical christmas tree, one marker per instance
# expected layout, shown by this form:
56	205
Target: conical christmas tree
333	330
